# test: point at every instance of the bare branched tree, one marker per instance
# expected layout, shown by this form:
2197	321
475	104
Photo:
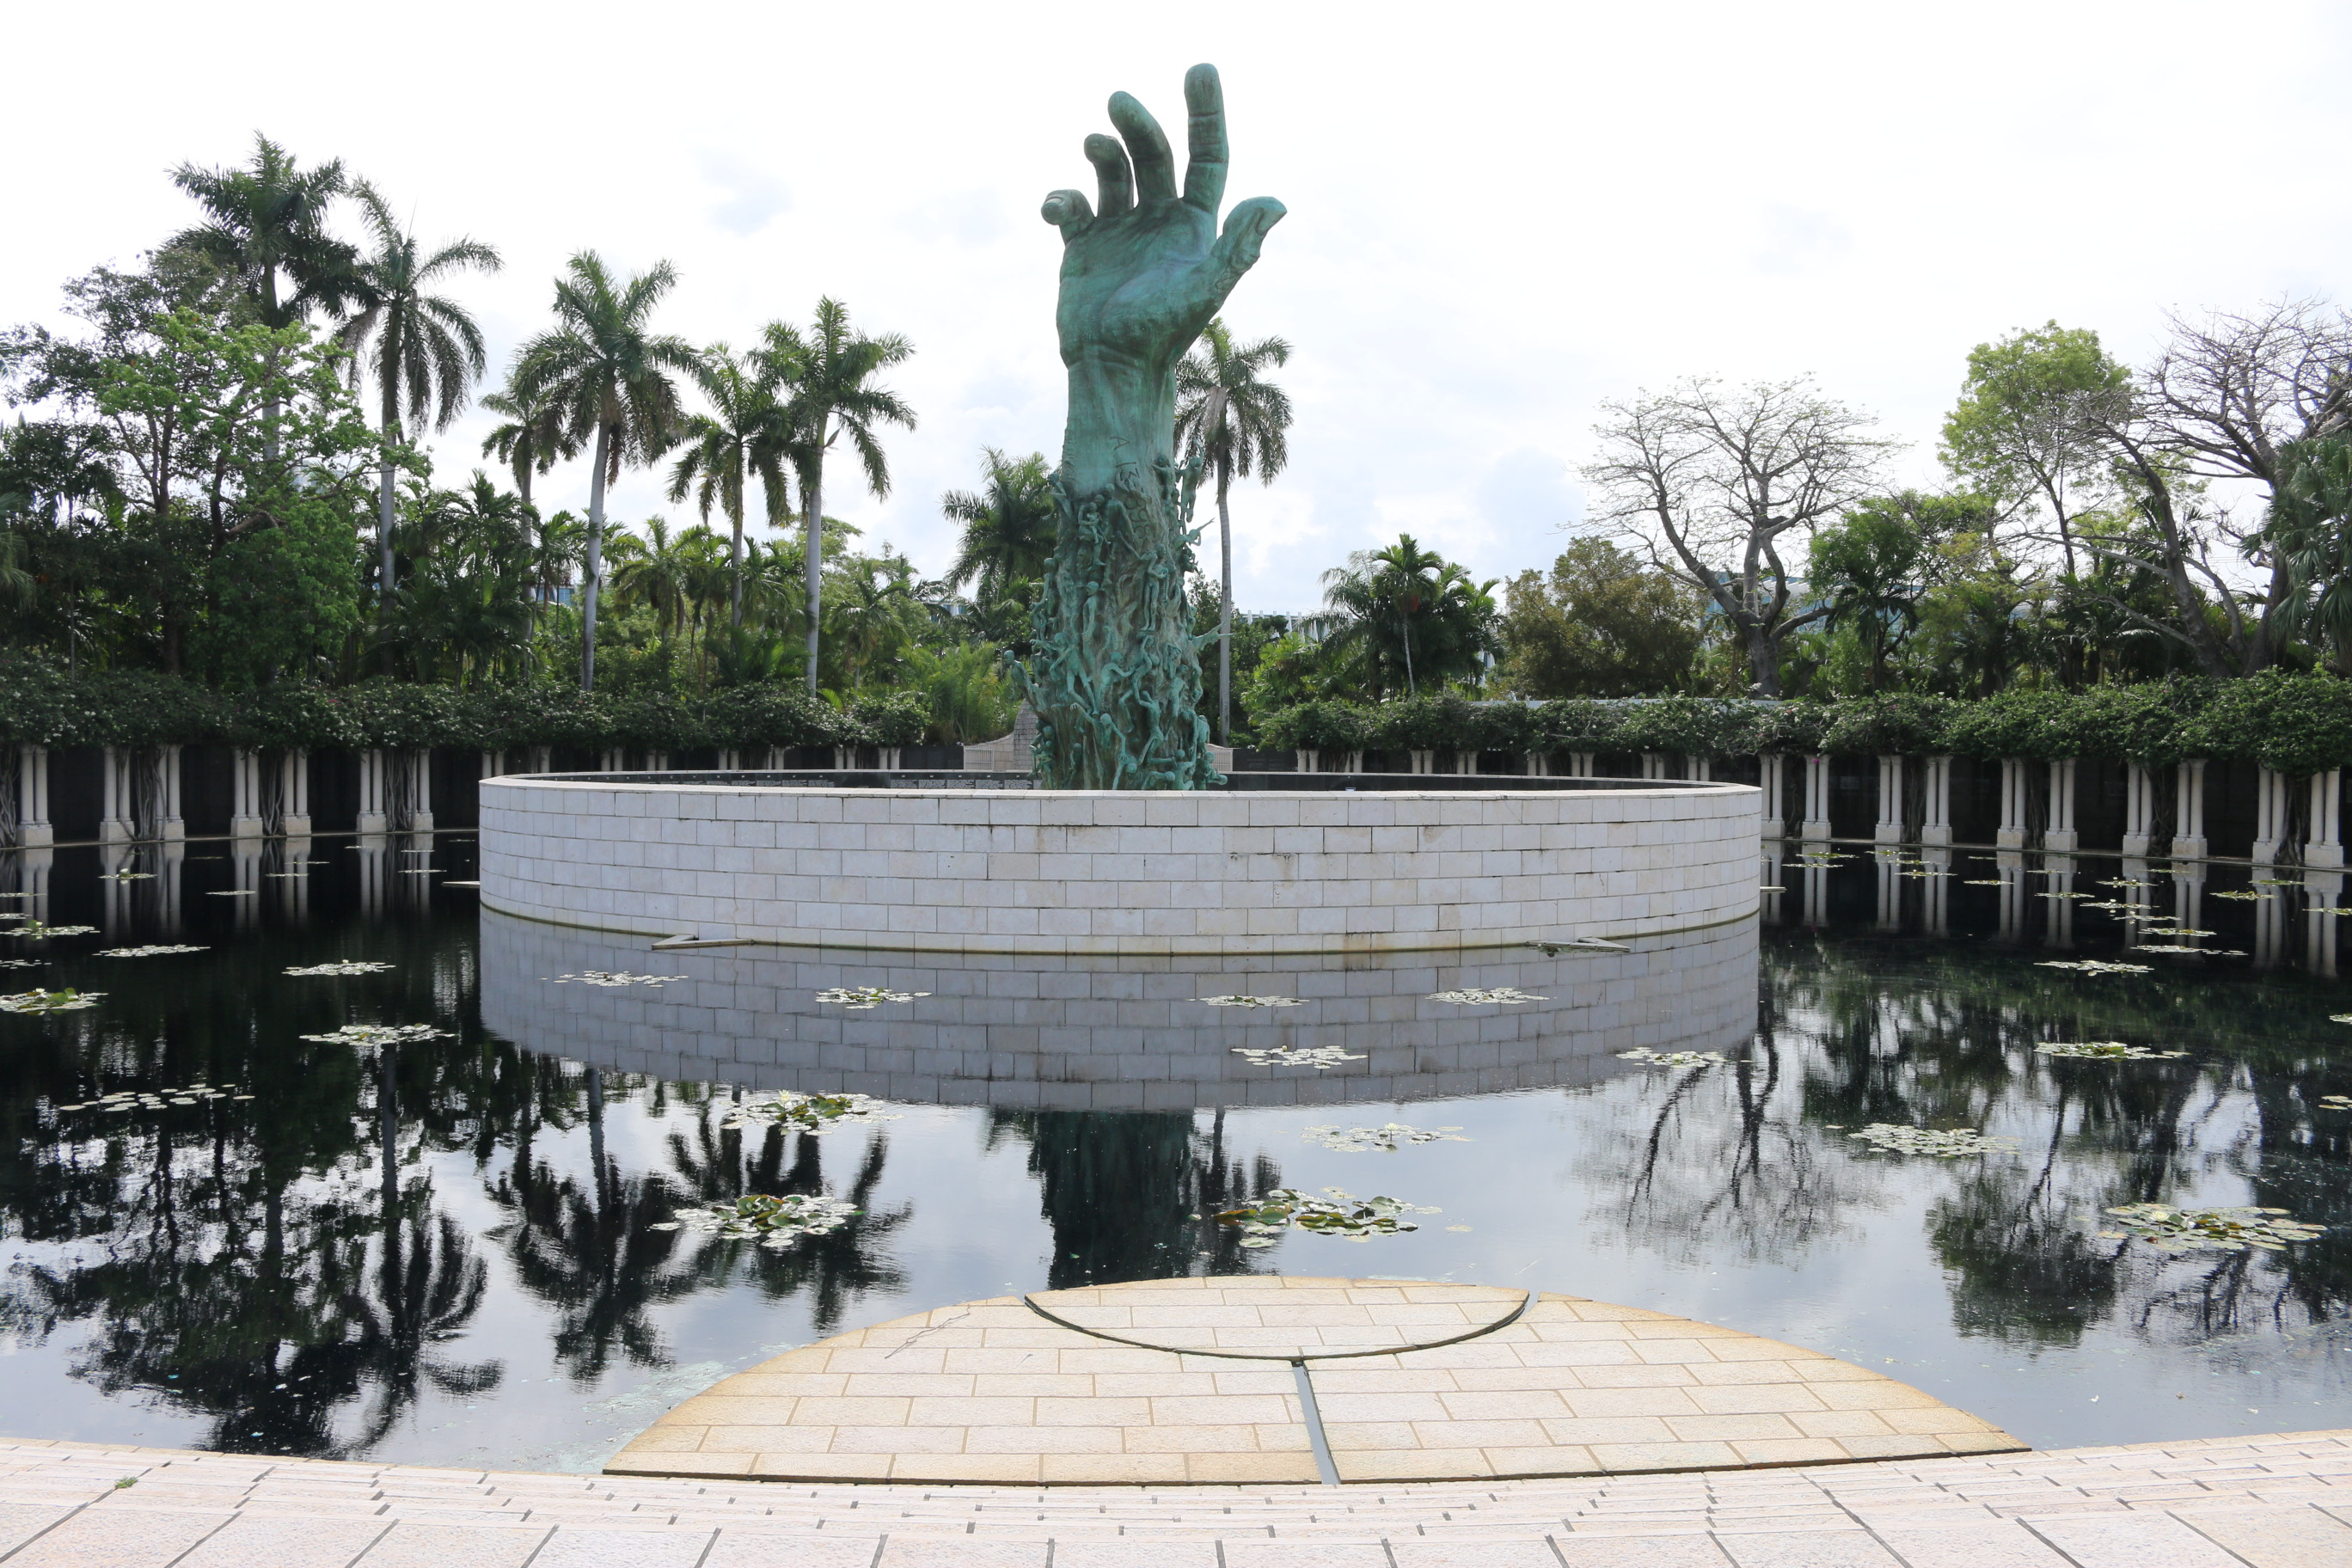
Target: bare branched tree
1708	479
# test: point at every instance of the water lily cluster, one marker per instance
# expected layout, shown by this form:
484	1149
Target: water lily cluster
34	930
380	1034
1318	1057
864	998
806	1112
153	950
1250	1001
616	977
49	1000
2093	966
1675	1058
345	966
1339	1213
1387	1137
1473	997
2171	1229
772	1222
2103	1051
1951	1143
196	1093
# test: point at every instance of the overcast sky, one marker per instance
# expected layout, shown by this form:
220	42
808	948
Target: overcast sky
1500	215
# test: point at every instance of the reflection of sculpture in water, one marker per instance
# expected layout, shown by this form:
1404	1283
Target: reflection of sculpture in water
1116	676
1134	1194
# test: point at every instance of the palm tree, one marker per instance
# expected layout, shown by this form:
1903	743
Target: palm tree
602	369
1401	608
1233	421
1008	525
529	441
829	373
657	574
746	434
266	219
427	348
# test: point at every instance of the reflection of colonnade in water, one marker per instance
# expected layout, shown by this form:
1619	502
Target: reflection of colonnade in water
1071	1034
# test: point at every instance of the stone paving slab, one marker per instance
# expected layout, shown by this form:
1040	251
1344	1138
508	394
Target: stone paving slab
1412	1381
2092	1511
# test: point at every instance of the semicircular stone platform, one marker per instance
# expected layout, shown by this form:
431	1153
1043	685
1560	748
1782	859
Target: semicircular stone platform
1232	1379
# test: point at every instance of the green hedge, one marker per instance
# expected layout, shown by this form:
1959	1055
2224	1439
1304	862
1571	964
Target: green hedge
39	706
2298	723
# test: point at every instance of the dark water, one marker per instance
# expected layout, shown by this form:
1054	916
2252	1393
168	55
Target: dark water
442	1252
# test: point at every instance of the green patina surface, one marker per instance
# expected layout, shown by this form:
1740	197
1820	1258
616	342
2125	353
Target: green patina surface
1115	673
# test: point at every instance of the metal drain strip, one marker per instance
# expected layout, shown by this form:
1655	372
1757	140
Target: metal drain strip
1526	1304
1325	1466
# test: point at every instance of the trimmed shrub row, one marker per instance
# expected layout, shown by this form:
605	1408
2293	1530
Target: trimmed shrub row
39	706
2297	723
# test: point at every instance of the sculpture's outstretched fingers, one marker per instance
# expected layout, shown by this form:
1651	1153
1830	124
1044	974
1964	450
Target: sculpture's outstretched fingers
1111	178
1067	211
1155	165
1236	250
1204	170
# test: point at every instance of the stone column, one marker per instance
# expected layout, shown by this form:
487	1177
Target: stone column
294	794
1890	800
1936	829
542	759
114	824
1538	764
2058	834
1306	759
2188	815
2322	889
1769	778
2187	899
245	816
1424	759
730	761
2013	804
420	779
1465	760
1890	893
372	818
2058	877
656	761
1579	764
1653	765
2270	815
34	831
2139	809
1698	769
2324	849
494	762
616	761
1935	901
2010	868
1817	799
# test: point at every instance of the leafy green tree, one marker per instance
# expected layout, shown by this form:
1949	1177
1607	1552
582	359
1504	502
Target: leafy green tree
266	218
607	374
1873	564
2308	532
1402	615
828	377
744	435
1008	526
1603	623
1234	421
2024	430
423	349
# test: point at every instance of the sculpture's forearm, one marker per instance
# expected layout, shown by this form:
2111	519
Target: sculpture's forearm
1122	414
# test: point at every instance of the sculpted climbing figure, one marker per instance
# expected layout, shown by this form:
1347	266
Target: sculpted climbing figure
1116	675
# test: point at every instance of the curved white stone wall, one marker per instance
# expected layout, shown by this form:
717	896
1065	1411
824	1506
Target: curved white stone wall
975	870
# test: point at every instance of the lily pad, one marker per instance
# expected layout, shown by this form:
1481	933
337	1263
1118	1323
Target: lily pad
1387	1137
1952	1143
2103	1050
67	1000
126	875
34	930
807	1113
381	1034
1338	1213
1318	1057
2093	966
1250	1001
2191	952
863	998
157	951
772	1222
611	977
1675	1058
2228	1230
345	966
1505	996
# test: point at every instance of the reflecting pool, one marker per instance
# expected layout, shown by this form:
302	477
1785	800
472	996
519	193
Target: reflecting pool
222	1230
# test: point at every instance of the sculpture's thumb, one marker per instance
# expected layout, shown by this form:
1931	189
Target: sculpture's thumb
1236	250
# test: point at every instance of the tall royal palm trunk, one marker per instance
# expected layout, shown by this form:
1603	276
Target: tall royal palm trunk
812	546
1226	610
595	558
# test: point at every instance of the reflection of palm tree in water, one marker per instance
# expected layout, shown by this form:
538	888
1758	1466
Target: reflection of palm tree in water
1134	1194
836	1269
